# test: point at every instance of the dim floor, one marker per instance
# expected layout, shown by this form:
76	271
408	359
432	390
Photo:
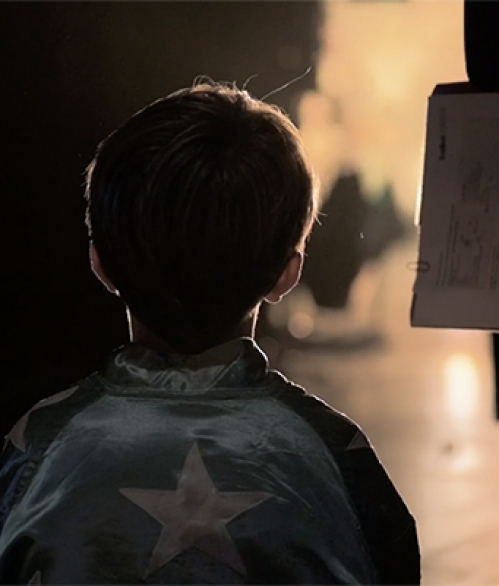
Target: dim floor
425	398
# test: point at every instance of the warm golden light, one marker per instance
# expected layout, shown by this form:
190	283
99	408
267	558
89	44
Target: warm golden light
300	324
461	386
466	460
378	64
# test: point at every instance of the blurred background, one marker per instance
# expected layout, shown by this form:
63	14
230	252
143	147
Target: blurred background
72	72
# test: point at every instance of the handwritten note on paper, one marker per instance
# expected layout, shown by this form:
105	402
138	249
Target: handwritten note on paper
459	221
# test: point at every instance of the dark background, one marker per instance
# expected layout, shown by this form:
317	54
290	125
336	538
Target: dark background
481	38
70	73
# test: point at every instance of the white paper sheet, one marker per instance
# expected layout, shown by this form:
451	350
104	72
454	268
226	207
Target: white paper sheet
458	280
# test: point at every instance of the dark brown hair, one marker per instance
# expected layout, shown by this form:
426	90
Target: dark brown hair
195	205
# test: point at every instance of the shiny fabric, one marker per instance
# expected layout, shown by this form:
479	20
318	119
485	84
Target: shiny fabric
192	469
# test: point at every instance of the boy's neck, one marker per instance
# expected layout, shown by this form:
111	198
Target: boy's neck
140	334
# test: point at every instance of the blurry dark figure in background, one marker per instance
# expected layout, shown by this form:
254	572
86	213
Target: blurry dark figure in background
353	231
335	249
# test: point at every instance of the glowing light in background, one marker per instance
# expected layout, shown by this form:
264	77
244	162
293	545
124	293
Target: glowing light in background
461	386
463	395
378	63
300	324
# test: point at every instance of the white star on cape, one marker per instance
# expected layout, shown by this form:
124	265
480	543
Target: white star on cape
194	515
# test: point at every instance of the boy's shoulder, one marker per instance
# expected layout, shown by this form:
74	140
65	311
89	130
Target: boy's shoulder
337	430
18	434
29	439
38	427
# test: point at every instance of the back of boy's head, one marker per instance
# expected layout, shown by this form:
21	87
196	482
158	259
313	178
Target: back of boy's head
195	206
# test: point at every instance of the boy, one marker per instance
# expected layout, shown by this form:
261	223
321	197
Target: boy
185	460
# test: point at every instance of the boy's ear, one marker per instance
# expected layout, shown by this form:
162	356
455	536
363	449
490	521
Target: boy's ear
99	271
288	279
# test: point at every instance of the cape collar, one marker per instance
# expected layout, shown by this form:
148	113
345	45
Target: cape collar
238	363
